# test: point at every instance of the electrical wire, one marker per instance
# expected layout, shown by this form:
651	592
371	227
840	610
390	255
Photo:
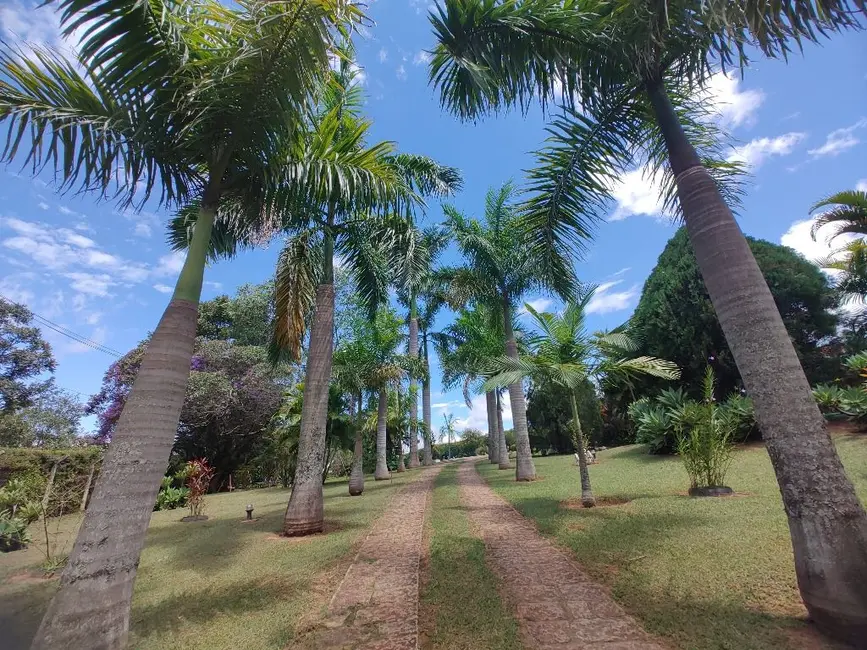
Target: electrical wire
78	338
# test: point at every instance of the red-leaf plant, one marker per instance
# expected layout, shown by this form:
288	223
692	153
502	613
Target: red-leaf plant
198	478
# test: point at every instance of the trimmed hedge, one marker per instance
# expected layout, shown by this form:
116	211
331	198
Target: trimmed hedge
73	468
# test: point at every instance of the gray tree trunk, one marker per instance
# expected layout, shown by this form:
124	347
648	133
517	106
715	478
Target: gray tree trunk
91	609
587	498
426	416
827	523
305	514
87	488
525	470
493	429
413	397
503	455
381	473
356	474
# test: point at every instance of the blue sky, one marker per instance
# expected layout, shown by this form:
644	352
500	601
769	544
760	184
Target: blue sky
107	274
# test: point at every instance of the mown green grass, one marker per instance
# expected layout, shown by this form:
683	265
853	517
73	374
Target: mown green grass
219	583
460	608
706	573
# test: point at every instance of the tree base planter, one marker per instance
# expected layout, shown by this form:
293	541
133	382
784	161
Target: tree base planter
711	491
194	518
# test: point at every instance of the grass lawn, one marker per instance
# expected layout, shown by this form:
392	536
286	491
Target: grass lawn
459	605
219	583
706	573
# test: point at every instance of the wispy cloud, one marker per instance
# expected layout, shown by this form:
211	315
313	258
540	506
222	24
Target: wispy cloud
422	58
839	140
163	288
383	55
755	152
605	300
401	72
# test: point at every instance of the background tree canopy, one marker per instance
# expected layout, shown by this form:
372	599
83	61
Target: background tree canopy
675	319
549	416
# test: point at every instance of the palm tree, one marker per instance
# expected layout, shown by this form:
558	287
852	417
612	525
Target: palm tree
447	430
565	354
432	301
848	214
192	103
415	256
630	77
850	266
351	369
501	269
358	228
464	349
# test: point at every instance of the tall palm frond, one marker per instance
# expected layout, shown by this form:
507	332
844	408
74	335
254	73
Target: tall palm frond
298	270
848	213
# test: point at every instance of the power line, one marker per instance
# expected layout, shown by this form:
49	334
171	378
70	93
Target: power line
78	338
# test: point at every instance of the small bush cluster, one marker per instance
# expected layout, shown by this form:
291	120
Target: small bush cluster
848	402
659	421
19	507
171	497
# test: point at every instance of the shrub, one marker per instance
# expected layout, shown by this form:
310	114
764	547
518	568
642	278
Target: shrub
827	397
171	497
197	474
13	532
704	438
658	421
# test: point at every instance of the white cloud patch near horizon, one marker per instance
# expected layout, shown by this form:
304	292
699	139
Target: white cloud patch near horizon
477	417
605	301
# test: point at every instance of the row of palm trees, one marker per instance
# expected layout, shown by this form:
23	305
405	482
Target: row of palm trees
243	117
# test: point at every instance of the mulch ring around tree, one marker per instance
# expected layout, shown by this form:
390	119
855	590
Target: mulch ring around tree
601	502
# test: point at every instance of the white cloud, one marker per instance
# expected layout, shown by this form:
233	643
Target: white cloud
754	152
539	304
98	335
163	288
477	418
13	290
605	301
90	284
637	193
401	72
734	106
142	229
214	285
71	255
861	185
422	58
171	264
42	205
839	140
383	55
93	318
64	210
621	271
798	237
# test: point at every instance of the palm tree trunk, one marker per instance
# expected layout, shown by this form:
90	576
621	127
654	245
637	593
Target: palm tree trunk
503	455
413	386
525	470
827	523
92	607
425	409
493	429
305	512
356	474
381	473
400	464
587	498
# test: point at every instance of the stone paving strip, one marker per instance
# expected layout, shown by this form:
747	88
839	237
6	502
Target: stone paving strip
558	607
376	605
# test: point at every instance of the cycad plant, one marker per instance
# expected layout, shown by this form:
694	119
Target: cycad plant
631	76
195	103
564	353
501	268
